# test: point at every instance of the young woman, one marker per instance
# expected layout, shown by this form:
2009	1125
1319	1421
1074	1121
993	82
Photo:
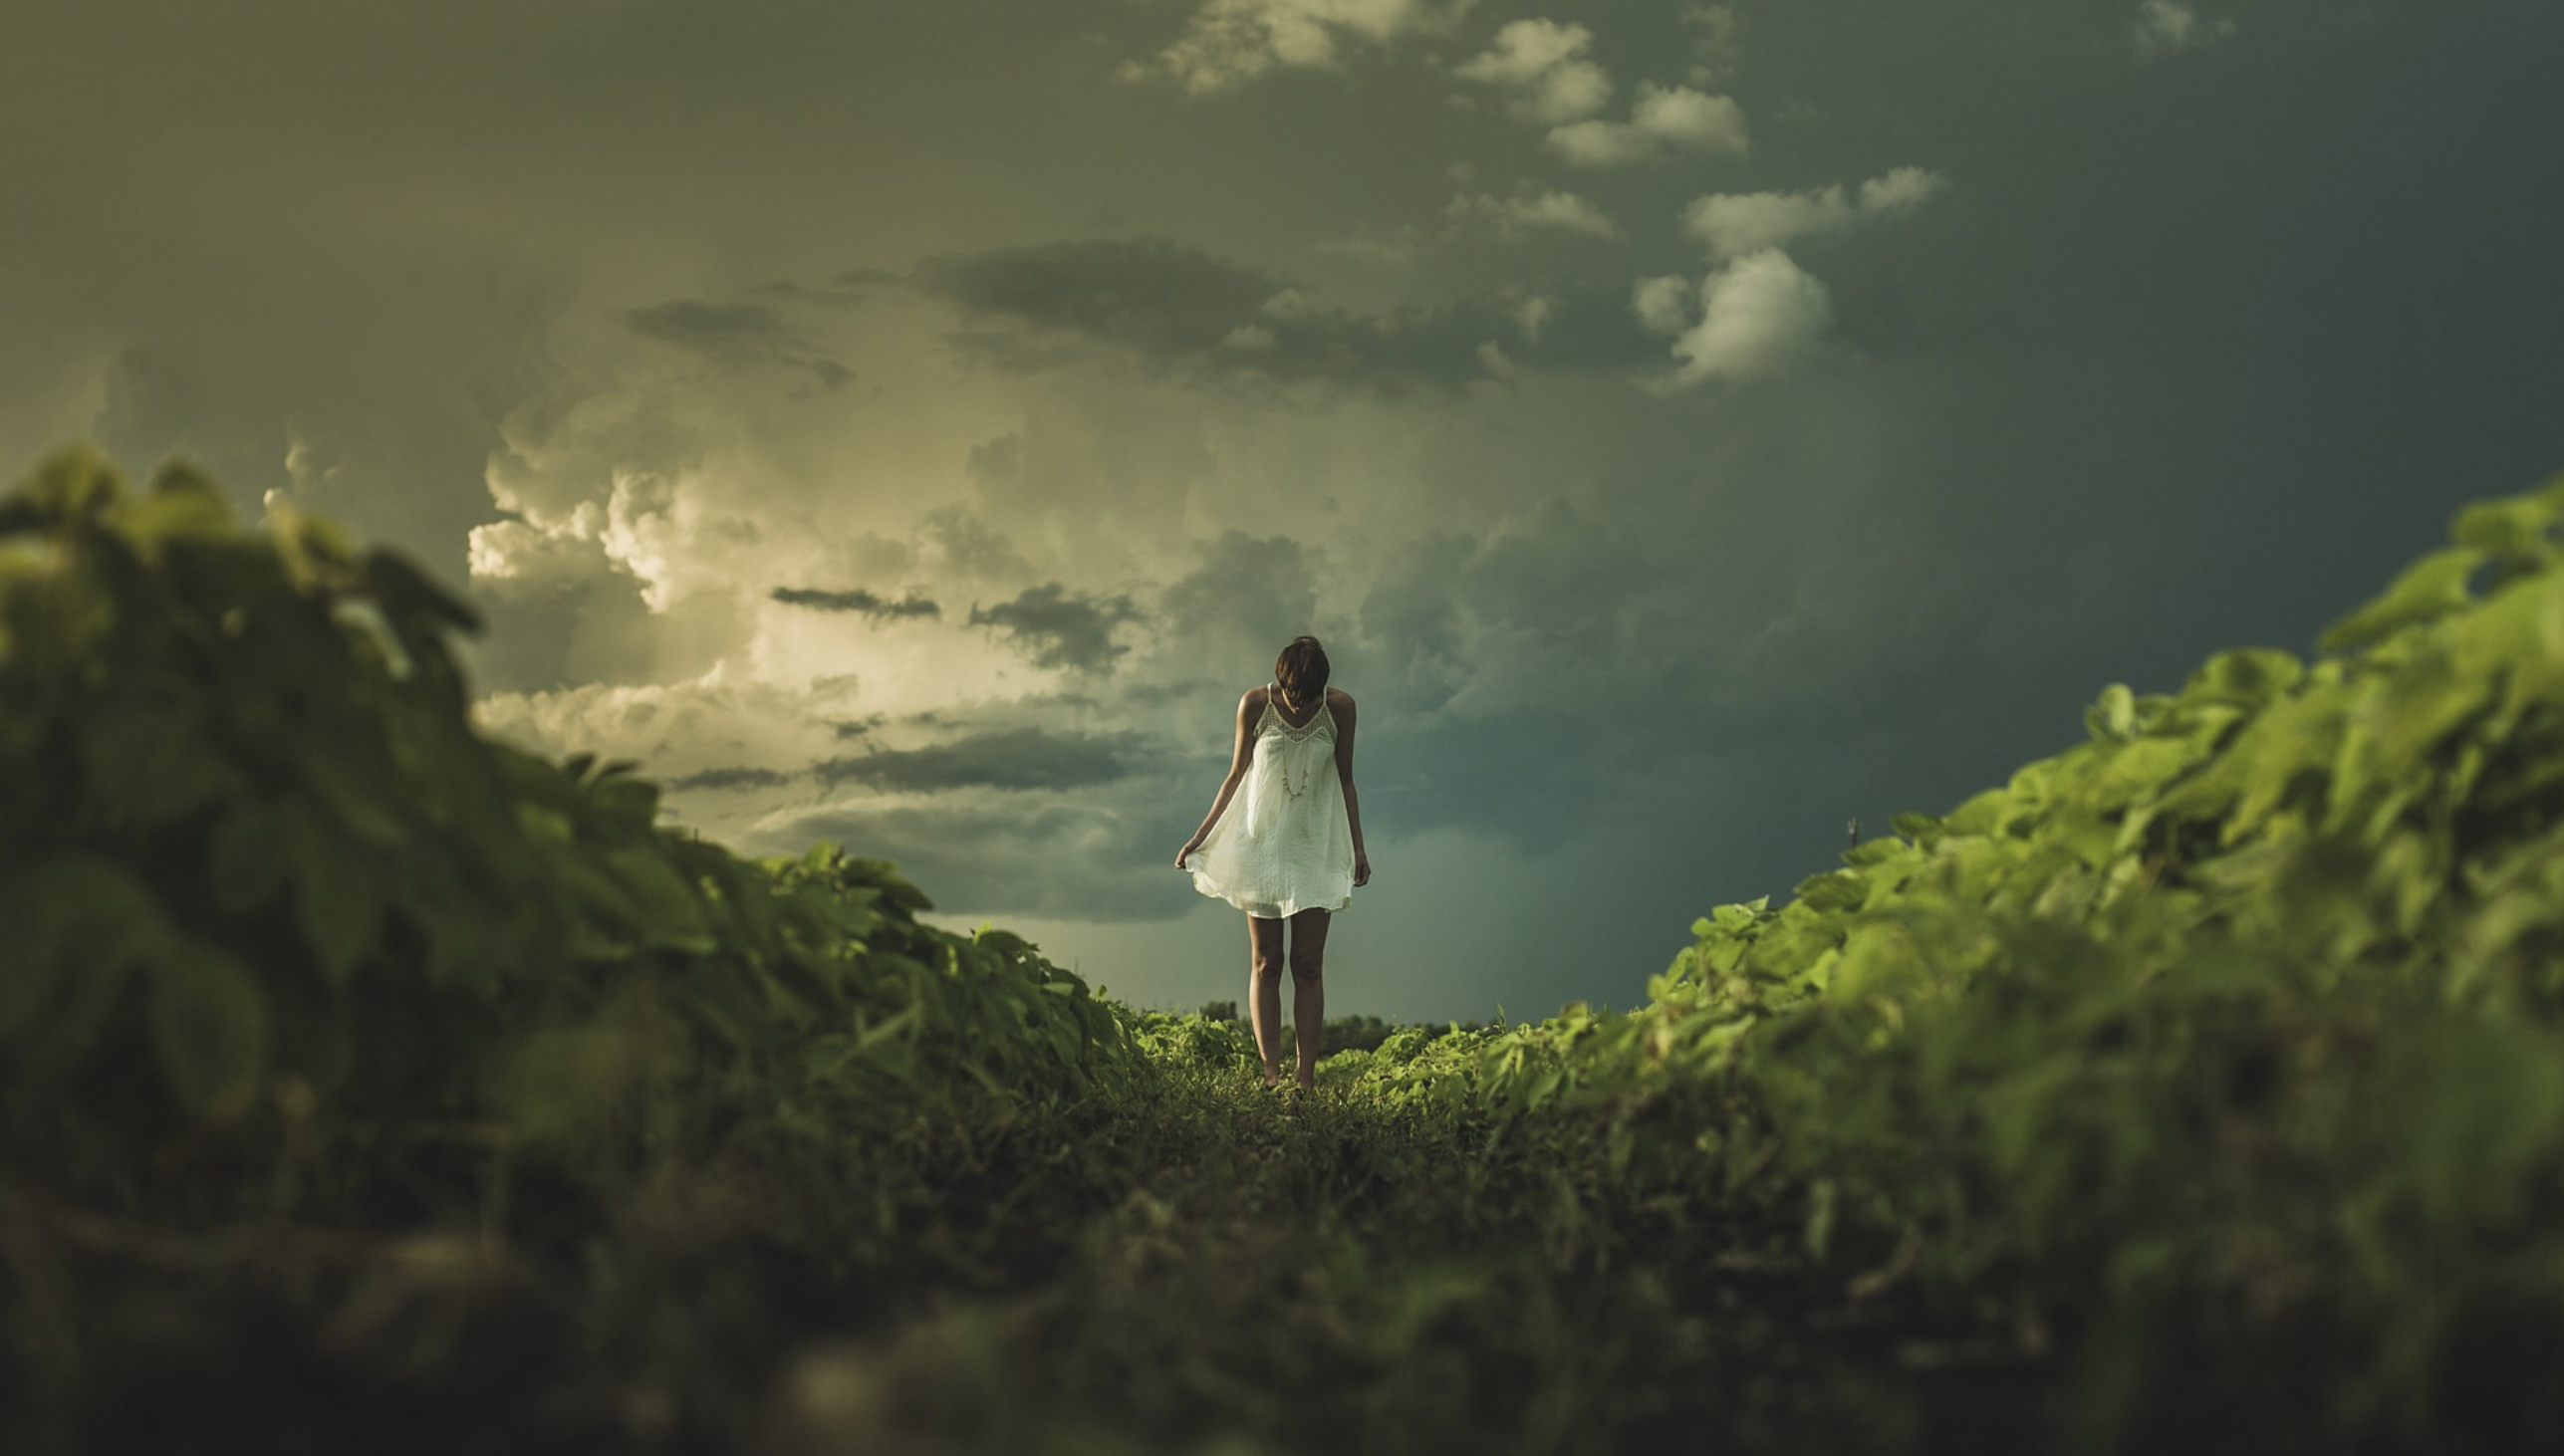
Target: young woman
1288	850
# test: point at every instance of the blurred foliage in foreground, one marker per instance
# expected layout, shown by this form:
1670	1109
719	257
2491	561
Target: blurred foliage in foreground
289	946
368	1085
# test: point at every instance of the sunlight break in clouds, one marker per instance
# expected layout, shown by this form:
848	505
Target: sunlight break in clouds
1232	42
1758	314
1662	121
2170	27
1736	223
1544	63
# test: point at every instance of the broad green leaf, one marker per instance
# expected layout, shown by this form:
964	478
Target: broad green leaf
1980	814
152	762
2427	591
363	802
2518	525
1876	851
669	910
2138	770
2244	677
208	1031
2115	716
1834	891
181	502
315	552
71	484
246	858
413	601
2428	701
74	924
337	891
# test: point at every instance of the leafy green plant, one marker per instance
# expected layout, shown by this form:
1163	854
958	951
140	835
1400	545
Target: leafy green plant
2224	1046
251	842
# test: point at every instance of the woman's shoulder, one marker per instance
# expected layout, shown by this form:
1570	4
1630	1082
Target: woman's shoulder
1254	698
1339	699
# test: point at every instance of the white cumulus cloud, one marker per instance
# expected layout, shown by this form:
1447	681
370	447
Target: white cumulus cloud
1552	210
1663	305
1231	42
1736	223
1544	63
1756	316
1663	120
2170	27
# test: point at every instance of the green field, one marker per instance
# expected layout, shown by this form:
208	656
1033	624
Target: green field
369	1086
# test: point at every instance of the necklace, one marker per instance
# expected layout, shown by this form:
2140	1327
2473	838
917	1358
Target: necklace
1307	766
1289	738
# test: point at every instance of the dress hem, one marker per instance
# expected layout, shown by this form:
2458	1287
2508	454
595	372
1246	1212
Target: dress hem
1264	910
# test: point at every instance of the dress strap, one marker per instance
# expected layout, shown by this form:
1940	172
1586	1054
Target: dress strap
1273	705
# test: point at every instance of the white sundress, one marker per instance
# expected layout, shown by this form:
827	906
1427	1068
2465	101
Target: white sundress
1284	843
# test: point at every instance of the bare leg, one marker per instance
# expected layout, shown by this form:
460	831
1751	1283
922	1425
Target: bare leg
1309	988
1264	993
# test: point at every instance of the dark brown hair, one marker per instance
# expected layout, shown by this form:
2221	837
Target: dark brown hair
1302	670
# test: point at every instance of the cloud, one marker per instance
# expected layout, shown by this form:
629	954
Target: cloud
1174	310
1090	858
2169	27
1718	49
878	608
1758	314
1736	223
1663	305
1009	759
737	777
711	725
960	542
1395	250
737	333
1661	121
1229	43
1155	298
1056	627
1246	597
1543	62
1553	211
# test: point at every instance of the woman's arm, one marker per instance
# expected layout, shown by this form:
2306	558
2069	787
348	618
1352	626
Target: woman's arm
1248	705
1344	710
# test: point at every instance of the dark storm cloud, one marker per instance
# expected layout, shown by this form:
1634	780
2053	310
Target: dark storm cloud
1248	591
1056	627
731	777
1081	859
877	607
1180	311
735	333
1010	758
801	293
710	328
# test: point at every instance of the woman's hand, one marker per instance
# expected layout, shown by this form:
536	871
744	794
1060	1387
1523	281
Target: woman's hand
1189	846
1361	869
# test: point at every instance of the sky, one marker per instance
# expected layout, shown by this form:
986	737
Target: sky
1690	426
